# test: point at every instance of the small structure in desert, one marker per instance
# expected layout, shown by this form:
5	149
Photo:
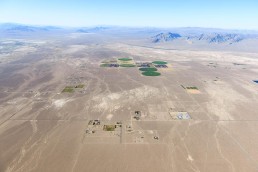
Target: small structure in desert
137	115
161	66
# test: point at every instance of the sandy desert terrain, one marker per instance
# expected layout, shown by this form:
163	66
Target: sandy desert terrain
61	112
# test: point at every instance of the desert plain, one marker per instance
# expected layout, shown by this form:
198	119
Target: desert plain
61	111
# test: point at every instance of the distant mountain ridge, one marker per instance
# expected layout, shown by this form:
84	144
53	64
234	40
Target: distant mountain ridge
221	38
12	27
217	38
90	30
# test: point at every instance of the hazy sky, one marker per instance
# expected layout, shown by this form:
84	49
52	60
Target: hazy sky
237	14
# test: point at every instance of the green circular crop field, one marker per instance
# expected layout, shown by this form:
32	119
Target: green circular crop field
125	59
160	62
127	65
151	73
151	69
104	65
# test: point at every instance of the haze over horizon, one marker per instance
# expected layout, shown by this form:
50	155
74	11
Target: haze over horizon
217	14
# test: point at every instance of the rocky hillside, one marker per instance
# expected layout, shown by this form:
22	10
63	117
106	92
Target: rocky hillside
165	37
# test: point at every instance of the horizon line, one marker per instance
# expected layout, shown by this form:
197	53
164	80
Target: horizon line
112	25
